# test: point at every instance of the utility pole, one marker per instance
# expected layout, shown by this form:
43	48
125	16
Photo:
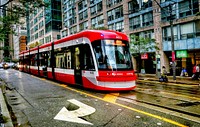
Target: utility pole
172	43
172	38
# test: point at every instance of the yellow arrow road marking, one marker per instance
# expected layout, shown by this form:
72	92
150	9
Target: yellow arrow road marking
124	106
111	97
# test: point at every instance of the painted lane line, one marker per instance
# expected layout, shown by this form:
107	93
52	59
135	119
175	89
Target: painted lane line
73	116
133	109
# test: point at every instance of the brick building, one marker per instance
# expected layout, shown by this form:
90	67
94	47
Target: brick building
143	18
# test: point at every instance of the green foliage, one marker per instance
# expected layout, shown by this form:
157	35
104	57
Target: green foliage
141	45
14	12
7	59
198	14
3	118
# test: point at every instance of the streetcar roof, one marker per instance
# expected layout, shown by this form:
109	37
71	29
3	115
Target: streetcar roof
92	35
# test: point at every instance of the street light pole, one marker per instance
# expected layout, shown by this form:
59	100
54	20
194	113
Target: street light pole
172	43
172	39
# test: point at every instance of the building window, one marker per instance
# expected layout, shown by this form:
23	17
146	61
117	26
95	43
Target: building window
72	21
36	36
83	26
119	26
41	24
110	3
134	23
146	4
147	19
115	13
97	21
48	39
167	33
35	20
187	31
73	30
197	28
119	12
93	10
110	15
99	7
41	33
188	7
35	28
165	13
83	15
82	5
133	6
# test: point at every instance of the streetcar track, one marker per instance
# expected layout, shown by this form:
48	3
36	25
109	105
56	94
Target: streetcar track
190	90
157	105
173	94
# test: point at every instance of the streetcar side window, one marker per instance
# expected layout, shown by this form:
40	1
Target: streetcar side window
32	58
88	62
63	58
43	59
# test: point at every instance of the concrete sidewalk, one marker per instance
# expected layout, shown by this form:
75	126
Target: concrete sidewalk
179	80
3	108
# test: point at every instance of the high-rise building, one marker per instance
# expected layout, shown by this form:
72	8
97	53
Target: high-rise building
145	18
44	23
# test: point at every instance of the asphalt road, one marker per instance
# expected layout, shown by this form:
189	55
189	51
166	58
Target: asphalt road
38	102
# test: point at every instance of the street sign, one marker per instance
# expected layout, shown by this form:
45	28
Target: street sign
182	54
173	56
73	116
144	56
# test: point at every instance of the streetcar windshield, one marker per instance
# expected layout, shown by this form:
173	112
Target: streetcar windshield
112	54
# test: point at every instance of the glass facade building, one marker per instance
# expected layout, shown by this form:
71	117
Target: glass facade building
44	24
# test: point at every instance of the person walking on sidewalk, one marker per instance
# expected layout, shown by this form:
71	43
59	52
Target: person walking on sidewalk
184	72
197	72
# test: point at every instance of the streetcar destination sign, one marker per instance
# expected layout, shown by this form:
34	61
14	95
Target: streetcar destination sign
73	116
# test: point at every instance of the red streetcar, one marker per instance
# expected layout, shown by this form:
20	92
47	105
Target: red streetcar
95	59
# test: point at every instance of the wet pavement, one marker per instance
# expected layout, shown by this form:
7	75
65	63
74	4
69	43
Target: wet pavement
36	101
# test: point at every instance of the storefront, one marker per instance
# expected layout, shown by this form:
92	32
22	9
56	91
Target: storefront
146	63
184	59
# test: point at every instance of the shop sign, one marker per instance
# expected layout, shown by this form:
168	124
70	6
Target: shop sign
144	56
181	54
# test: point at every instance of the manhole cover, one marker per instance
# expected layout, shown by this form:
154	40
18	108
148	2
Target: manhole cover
186	104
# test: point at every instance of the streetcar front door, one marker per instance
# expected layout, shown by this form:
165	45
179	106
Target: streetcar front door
77	67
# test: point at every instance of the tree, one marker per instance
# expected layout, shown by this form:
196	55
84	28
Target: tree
12	14
140	45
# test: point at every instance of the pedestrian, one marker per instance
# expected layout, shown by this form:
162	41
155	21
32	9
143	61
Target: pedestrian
184	72
163	77
197	72
194	72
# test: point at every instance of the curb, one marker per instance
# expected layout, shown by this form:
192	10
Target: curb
168	83
4	111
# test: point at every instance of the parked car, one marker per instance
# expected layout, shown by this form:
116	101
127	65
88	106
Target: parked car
5	66
1	65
